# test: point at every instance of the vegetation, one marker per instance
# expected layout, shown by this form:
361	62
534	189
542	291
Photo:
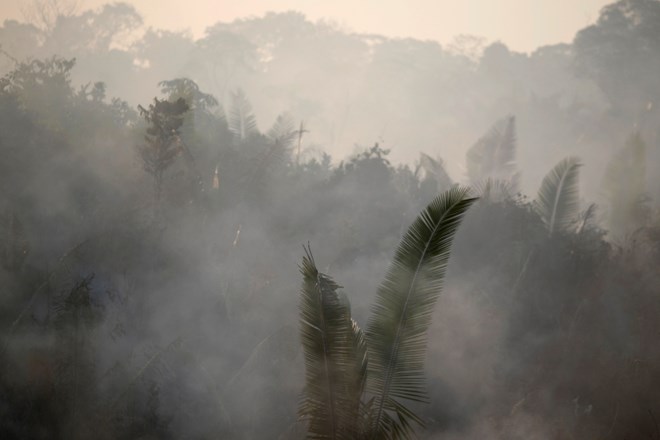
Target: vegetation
388	361
148	254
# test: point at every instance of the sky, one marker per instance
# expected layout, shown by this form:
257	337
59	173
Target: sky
523	25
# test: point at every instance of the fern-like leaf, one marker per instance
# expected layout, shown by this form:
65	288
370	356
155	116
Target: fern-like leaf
283	131
335	358
397	330
558	198
242	122
494	155
495	190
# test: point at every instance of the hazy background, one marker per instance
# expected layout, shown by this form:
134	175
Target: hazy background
161	165
537	23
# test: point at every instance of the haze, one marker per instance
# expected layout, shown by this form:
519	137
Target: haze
348	221
522	25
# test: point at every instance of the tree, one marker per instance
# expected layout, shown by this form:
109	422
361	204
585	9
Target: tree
621	52
44	14
385	364
189	90
162	144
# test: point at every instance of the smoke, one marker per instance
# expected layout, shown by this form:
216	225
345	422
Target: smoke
155	295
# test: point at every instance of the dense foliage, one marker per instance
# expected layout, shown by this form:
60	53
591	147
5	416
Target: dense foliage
149	255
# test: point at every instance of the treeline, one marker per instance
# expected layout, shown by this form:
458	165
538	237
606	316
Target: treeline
579	98
149	264
149	272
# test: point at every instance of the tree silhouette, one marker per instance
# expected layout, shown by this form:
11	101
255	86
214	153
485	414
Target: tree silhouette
162	143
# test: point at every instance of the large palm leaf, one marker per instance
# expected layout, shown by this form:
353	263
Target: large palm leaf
335	358
558	199
397	330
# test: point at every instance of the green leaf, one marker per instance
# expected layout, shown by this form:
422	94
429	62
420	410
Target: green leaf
335	358
397	330
558	199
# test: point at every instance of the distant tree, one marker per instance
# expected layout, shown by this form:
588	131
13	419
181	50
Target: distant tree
162	144
222	58
44	14
93	32
204	130
621	52
189	90
44	87
496	61
468	46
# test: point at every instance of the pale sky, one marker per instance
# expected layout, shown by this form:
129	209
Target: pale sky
523	25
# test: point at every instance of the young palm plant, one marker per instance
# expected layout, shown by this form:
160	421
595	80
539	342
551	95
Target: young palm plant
360	385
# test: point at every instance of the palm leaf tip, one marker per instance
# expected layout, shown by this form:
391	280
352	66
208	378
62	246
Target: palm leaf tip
558	201
397	330
494	154
283	131
435	169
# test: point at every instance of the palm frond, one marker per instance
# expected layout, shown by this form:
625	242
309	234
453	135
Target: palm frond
397	330
558	201
494	154
242	122
494	190
283	131
585	218
335	358
435	169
